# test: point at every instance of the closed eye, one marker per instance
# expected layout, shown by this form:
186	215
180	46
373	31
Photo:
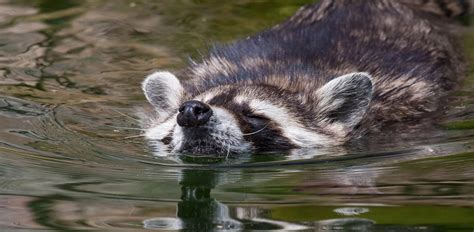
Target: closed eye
255	116
251	117
256	121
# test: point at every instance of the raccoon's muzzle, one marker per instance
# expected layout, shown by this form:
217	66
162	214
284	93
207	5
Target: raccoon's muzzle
193	113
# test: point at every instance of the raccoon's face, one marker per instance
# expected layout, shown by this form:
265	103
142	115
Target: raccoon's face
235	119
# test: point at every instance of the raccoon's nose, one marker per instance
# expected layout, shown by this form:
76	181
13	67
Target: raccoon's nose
193	113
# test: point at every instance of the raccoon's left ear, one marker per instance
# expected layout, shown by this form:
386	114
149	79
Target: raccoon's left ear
164	92
343	101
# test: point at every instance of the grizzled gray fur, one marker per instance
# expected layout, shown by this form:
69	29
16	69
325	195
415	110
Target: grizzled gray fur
329	74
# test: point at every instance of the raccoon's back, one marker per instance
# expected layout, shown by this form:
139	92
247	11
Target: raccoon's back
410	54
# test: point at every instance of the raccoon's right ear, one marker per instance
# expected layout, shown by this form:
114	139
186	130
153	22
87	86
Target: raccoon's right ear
343	101
164	92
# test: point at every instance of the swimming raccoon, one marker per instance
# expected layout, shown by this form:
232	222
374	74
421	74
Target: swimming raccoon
328	75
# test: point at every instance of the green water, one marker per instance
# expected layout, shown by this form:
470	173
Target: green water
70	74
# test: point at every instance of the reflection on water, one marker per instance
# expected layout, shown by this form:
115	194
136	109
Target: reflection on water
198	211
72	156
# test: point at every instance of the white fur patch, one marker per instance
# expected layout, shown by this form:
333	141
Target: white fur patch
161	130
178	138
291	129
164	91
240	99
208	95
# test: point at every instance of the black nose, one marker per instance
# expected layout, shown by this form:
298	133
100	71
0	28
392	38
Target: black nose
193	113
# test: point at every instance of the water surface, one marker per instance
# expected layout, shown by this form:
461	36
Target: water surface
72	159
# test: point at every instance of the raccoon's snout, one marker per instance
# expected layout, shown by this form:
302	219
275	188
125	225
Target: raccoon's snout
193	113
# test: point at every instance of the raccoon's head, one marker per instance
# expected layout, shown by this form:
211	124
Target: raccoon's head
254	117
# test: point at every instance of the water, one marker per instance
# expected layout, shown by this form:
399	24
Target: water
70	74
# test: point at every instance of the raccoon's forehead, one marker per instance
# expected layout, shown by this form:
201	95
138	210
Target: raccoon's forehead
210	94
237	94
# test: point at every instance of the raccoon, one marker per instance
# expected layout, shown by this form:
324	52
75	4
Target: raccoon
334	71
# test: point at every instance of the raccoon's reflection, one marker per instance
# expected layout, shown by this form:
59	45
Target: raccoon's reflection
198	210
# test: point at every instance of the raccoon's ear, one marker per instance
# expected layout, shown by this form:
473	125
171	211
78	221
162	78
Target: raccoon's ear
343	101
164	91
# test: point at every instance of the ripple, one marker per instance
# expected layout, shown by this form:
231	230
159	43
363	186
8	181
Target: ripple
351	211
164	224
70	77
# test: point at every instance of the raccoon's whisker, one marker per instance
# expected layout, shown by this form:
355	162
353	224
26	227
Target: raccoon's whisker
255	132
135	136
127	128
126	115
228	151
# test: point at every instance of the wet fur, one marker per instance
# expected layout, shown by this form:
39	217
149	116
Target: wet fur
279	86
411	55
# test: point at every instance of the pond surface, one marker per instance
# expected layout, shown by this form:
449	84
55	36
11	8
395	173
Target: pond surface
71	158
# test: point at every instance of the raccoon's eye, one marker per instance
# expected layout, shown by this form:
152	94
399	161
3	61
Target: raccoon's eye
254	123
255	119
255	116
